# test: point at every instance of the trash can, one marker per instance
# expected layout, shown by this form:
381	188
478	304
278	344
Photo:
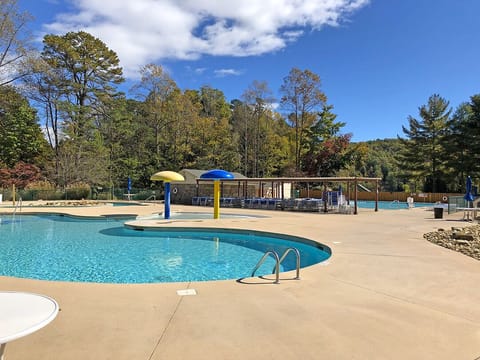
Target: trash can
438	212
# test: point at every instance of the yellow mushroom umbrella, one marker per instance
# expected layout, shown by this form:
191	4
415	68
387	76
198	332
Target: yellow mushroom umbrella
167	177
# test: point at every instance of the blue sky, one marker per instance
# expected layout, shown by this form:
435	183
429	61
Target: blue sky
379	60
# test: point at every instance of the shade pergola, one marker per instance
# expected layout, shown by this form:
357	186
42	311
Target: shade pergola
355	180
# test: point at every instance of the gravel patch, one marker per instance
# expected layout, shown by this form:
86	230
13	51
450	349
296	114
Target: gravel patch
465	240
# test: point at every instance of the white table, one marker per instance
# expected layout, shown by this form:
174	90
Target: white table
128	196
22	314
468	211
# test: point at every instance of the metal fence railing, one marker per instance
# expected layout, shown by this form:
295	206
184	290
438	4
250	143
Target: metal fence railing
95	193
455	202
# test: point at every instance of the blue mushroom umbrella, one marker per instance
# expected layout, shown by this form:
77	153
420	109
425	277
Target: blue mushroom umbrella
216	175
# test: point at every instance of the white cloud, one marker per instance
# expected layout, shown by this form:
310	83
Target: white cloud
144	31
200	71
227	72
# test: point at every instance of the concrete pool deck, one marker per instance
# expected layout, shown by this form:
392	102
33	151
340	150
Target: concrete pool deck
386	293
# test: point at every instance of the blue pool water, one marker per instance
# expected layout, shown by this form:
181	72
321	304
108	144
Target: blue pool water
62	248
391	205
197	216
125	204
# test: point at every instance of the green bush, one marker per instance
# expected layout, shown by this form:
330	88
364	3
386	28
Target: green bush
104	196
77	191
40	190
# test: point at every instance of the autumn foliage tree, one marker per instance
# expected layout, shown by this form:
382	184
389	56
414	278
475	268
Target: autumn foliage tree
301	99
327	149
20	175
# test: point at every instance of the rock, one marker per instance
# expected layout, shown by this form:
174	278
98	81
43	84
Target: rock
464	240
463	236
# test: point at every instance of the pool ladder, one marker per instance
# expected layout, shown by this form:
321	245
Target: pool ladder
18	205
278	261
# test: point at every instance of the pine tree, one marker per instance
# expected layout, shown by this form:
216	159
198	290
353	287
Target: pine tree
423	147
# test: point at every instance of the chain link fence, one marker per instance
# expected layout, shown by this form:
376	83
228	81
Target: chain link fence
94	193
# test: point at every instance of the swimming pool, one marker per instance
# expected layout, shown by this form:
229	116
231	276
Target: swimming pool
62	248
390	205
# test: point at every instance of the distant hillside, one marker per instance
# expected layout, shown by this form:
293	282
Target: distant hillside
376	158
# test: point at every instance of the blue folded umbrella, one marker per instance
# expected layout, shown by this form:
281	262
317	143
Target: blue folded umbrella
468	195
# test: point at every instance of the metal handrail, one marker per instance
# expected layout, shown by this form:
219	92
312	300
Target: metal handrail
395	204
276	268
297	255
151	197
18	205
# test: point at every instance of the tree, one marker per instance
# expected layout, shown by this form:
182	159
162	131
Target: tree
88	70
20	175
423	148
254	122
14	41
301	97
472	137
20	134
377	158
213	103
156	89
327	149
76	82
214	143
462	144
457	147
42	86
